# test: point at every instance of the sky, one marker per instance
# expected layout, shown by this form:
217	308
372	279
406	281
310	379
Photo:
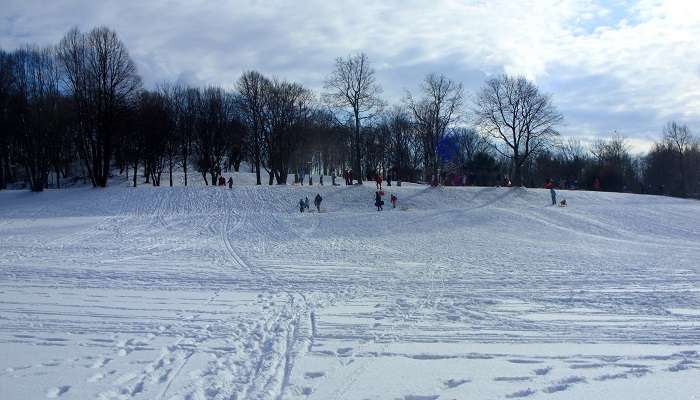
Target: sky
612	67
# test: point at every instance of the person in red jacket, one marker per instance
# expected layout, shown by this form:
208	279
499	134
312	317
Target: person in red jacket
378	180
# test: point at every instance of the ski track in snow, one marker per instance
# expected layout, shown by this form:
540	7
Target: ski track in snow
210	293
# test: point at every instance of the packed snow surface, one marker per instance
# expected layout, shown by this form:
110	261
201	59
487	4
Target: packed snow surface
458	293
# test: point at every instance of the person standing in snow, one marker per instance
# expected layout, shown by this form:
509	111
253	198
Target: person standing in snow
378	180
320	180
393	200
230	182
333	178
306	203
378	201
317	201
550	185
311	181
301	205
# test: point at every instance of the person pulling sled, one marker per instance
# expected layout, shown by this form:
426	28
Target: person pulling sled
378	202
550	185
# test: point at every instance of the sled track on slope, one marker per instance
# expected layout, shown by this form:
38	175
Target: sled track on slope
269	382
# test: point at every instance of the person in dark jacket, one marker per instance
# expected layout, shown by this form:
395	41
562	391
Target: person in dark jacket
550	185
230	182
378	201
317	201
301	205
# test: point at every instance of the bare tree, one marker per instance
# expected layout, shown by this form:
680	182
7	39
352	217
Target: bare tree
251	102
102	79
512	110
187	102
352	87
38	112
439	107
6	92
397	127
214	125
287	108
679	138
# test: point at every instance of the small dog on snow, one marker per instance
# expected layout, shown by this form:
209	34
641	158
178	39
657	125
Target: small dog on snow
562	203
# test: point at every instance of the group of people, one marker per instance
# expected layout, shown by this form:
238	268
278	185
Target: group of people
304	203
379	203
223	182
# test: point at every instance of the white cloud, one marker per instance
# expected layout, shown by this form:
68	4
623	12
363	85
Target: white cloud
612	65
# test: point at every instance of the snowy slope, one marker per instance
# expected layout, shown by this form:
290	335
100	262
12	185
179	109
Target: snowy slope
460	293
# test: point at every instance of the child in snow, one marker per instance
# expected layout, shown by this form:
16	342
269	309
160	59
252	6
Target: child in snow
230	182
301	205
317	201
393	200
306	203
320	180
378	201
378	179
550	185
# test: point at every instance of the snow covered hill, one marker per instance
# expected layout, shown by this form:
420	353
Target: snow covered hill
458	293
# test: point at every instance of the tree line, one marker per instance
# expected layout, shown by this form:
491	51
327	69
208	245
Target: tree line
79	109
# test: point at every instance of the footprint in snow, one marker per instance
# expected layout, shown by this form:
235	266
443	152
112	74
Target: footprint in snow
57	391
453	383
564	384
344	351
512	378
521	393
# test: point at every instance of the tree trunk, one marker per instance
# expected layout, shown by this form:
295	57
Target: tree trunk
184	168
3	177
58	178
257	173
358	171
170	167
136	169
518	170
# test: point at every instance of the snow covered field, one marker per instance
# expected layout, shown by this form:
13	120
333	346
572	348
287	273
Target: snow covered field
460	293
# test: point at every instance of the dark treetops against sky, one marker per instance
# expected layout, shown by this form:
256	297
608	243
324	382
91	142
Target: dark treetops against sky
612	66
